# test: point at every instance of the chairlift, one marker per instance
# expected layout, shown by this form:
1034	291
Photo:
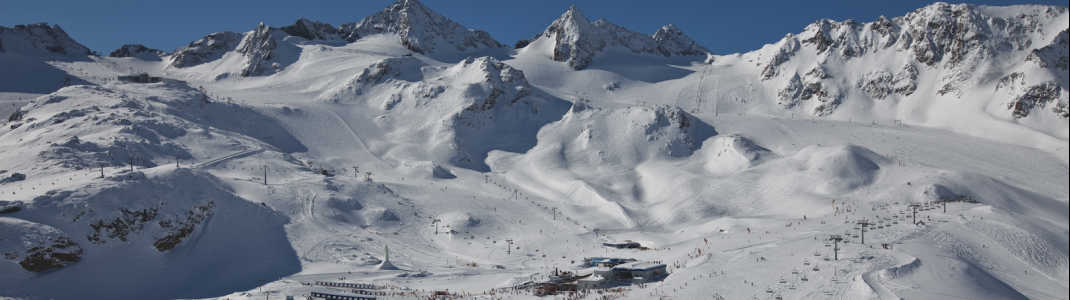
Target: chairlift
804	279
817	268
782	280
792	287
827	258
806	263
818	254
828	245
779	297
794	272
769	290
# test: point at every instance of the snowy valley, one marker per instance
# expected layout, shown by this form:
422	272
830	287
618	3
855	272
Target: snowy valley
283	161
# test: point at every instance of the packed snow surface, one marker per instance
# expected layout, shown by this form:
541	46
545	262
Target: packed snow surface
283	161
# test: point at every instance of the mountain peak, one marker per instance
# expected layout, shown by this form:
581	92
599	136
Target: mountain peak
577	40
574	13
39	38
312	30
421	30
132	50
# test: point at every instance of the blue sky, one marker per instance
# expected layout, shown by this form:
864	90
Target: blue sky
723	26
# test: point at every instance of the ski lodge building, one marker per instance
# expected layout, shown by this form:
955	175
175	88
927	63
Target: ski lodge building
145	78
634	272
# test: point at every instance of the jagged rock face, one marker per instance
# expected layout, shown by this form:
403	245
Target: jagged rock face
577	40
209	48
881	84
1026	99
672	41
258	48
130	50
420	29
949	42
36	247
39	39
1053	56
1038	96
313	30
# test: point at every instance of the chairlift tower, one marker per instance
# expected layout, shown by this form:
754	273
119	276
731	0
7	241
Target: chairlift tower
836	239
862	227
914	207
509	249
436	221
555	213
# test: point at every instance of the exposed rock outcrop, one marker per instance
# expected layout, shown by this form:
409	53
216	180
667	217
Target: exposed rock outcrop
577	40
421	30
131	50
36	247
211	47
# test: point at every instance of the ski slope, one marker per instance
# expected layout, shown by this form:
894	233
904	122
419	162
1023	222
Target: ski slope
232	187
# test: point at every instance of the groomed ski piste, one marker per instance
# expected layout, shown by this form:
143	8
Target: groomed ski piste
158	190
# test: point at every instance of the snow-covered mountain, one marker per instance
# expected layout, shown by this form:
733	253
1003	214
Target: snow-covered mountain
576	40
990	56
451	115
416	27
135	50
420	29
39	40
297	154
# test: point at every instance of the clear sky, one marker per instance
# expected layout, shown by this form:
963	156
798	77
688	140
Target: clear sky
724	27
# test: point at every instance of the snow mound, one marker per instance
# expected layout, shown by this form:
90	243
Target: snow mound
728	154
902	271
840	170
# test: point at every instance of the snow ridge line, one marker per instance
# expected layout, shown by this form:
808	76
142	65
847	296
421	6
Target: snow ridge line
231	156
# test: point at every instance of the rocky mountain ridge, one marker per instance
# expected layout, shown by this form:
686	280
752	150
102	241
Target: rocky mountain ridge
577	40
131	50
949	43
418	28
39	39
